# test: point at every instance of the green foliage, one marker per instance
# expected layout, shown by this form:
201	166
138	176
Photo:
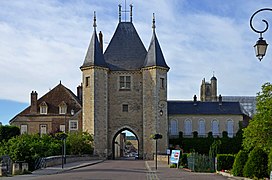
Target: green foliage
7	132
256	165
239	163
214	149
183	160
202	145
269	166
224	161
258	133
29	148
200	163
79	143
173	165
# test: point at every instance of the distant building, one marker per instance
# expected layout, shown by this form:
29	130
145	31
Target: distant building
248	102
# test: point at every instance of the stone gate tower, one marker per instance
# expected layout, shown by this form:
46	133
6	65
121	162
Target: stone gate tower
125	88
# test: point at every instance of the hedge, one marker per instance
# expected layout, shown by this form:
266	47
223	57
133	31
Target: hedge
224	161
239	163
256	165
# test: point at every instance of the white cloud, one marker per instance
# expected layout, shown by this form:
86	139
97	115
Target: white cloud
43	42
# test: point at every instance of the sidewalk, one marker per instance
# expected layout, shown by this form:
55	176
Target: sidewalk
164	172
55	169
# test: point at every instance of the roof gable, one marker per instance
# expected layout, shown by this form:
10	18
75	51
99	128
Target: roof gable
125	50
58	95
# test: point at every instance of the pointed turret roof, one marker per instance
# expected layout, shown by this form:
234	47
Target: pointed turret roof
94	56
125	50
154	55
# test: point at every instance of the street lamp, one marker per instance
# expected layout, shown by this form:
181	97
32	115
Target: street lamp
156	137
261	45
161	106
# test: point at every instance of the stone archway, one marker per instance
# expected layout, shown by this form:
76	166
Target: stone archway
114	142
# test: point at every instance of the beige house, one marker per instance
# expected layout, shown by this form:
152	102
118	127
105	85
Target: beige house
204	117
57	110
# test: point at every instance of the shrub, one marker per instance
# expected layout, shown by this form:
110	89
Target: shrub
256	165
269	168
173	165
79	143
7	132
183	160
224	161
239	163
195	134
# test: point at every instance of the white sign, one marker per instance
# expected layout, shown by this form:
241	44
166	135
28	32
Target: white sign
174	159
168	151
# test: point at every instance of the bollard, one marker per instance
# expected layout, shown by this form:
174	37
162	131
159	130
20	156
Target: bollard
24	167
16	169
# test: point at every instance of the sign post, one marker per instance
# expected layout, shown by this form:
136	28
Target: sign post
174	159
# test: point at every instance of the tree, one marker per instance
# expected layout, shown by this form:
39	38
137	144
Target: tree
7	132
258	133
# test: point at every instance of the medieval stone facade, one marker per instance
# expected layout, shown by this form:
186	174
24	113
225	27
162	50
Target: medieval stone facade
122	88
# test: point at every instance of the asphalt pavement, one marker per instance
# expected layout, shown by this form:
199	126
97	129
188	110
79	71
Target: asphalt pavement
162	172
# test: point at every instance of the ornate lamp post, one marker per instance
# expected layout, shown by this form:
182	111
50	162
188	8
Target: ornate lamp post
261	45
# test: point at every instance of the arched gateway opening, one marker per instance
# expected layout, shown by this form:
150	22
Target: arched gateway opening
125	145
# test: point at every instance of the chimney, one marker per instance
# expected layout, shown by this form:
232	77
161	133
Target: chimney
195	100
33	102
79	92
101	41
220	100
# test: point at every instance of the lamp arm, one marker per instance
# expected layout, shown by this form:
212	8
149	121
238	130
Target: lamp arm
266	23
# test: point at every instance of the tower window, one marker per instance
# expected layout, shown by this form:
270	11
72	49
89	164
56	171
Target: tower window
162	83
125	82
87	81
125	108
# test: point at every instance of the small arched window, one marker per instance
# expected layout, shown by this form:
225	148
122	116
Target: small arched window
201	127
215	127
173	127
187	127
230	128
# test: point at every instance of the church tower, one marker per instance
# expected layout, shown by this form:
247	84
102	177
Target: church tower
95	95
208	91
155	119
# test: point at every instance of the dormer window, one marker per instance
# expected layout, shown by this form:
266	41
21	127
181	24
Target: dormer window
62	108
43	108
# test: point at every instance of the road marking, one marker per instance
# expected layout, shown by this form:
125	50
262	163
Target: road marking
151	175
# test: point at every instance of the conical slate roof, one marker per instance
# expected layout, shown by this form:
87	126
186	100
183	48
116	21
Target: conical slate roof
125	50
94	56
154	55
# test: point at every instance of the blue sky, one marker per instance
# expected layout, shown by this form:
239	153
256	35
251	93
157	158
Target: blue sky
43	42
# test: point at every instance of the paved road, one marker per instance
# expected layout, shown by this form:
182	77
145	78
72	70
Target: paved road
125	170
